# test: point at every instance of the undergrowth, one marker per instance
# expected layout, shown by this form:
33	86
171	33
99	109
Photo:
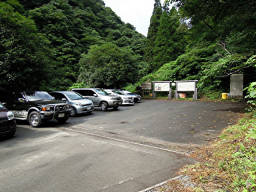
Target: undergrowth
230	163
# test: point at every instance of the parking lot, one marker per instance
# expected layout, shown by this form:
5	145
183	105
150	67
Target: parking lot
126	150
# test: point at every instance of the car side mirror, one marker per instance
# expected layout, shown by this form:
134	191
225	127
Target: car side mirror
64	99
21	100
95	95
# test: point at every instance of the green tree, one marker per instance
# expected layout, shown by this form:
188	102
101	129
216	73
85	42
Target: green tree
24	55
73	26
152	31
107	65
170	41
42	41
220	39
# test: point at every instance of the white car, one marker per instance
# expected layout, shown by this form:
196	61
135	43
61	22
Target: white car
136	97
126	99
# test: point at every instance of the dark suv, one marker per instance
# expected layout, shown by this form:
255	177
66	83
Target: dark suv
7	123
36	107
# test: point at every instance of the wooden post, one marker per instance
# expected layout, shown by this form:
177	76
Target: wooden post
170	92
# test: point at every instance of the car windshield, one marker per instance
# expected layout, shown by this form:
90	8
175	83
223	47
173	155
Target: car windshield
39	95
101	92
118	92
73	96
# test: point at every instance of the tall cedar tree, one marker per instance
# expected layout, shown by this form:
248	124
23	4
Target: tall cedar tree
169	43
220	42
152	31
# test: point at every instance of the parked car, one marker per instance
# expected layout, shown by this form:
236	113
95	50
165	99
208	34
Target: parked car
79	104
7	123
126	100
136	97
36	107
100	98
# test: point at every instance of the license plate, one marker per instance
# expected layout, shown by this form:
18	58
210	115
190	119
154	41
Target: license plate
61	115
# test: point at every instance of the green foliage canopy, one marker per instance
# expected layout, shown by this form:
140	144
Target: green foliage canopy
219	40
24	55
42	41
108	65
170	42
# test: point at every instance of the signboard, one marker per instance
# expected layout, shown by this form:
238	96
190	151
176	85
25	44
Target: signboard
236	85
186	86
162	87
146	86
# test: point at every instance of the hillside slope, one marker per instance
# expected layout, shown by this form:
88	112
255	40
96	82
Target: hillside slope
219	41
67	29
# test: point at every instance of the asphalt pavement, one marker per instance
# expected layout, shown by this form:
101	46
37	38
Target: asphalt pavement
126	150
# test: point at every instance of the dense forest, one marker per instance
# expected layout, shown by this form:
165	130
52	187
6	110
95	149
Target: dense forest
207	40
43	41
56	44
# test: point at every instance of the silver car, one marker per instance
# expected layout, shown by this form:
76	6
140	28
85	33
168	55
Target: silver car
79	104
100	98
136	97
126	100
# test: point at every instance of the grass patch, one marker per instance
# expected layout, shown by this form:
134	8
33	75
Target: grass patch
229	164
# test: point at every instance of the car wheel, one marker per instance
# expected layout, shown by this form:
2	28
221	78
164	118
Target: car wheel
104	106
115	108
62	120
34	119
73	112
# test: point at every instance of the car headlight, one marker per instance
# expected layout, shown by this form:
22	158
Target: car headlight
10	115
46	108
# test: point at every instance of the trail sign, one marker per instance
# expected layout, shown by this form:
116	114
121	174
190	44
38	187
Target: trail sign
162	86
186	86
146	86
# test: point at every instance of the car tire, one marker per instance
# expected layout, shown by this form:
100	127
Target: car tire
63	120
34	119
104	106
73	112
115	108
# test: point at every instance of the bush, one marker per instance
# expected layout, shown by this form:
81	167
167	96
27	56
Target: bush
251	97
78	85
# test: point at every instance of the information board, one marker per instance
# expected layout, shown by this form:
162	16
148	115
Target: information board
146	86
162	87
186	86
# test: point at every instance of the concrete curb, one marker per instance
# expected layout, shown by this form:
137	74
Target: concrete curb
160	184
